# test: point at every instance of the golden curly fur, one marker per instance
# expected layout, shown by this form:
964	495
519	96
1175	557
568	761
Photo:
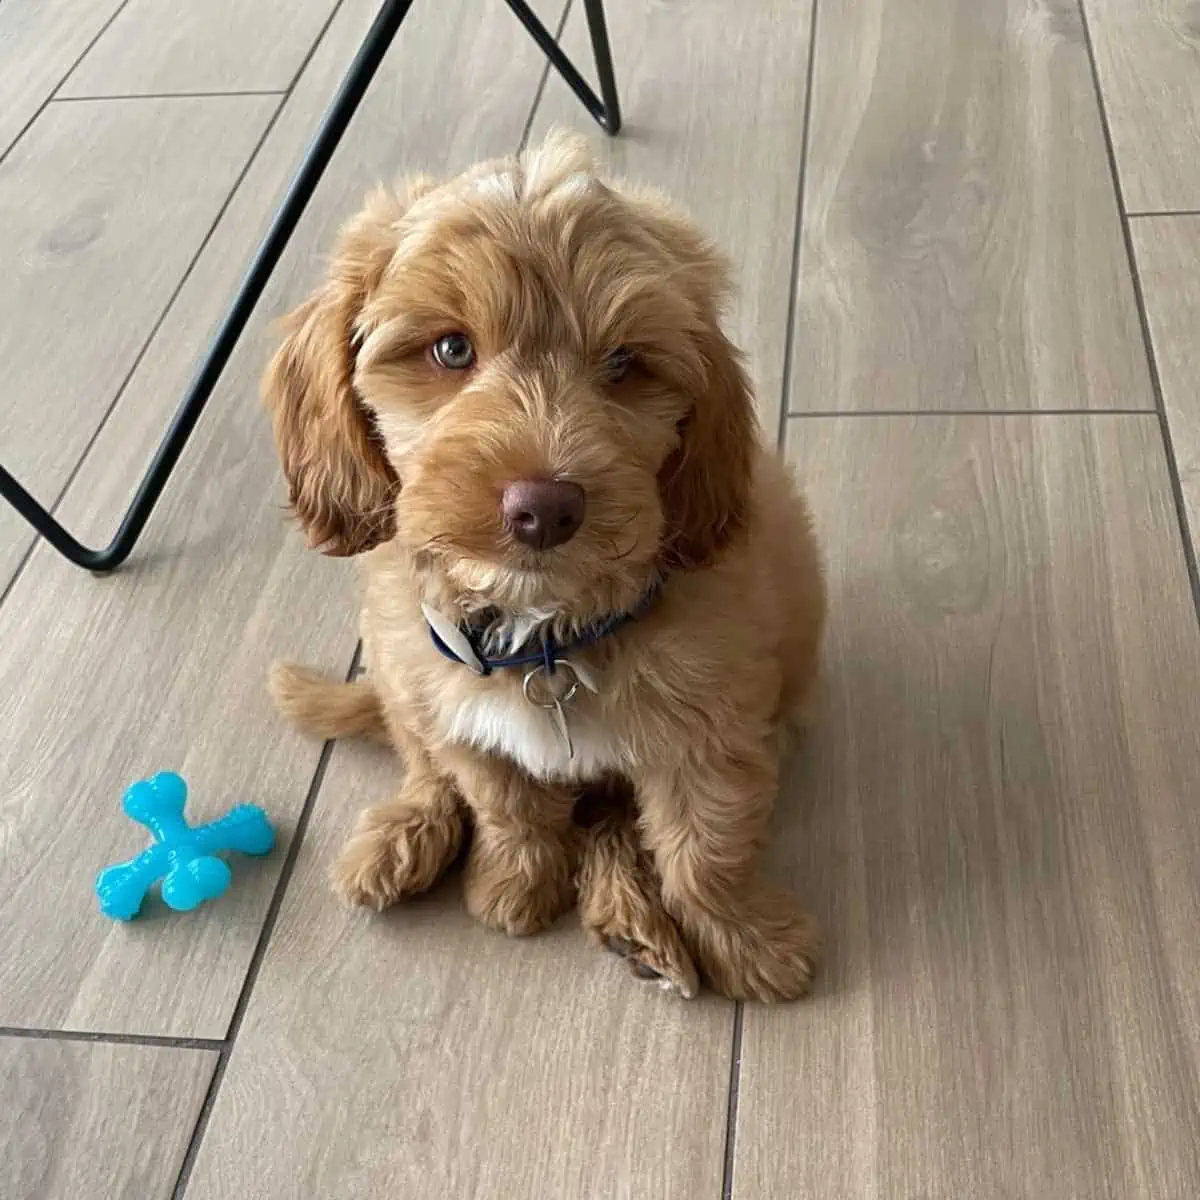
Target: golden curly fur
393	455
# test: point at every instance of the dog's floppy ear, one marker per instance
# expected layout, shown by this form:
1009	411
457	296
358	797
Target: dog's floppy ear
706	484
340	483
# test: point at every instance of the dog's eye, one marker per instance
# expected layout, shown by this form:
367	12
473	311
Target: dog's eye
619	363
453	351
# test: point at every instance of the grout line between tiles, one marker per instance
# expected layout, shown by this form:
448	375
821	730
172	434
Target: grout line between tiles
729	1161
1166	999
23	561
110	1039
316	42
972	412
731	1114
541	87
797	230
100	99
70	71
1166	212
1181	514
260	951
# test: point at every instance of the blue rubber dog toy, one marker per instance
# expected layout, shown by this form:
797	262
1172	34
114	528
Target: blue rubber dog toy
182	857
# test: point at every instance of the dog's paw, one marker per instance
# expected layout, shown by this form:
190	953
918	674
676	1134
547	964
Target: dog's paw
765	958
621	905
518	888
395	852
667	964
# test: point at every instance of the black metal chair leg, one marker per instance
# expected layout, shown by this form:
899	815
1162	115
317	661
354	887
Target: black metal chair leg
602	53
605	109
358	78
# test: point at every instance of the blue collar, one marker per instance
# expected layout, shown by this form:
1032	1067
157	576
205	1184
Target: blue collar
548	651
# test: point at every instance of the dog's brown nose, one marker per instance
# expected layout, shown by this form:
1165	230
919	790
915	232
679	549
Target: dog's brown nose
543	512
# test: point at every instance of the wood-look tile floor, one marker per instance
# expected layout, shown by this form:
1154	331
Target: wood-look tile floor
967	240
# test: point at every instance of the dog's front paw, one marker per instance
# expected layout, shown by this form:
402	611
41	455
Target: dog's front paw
396	851
519	887
662	961
620	905
769	954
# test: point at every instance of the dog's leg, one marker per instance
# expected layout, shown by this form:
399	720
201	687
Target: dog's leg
401	849
620	905
519	875
704	820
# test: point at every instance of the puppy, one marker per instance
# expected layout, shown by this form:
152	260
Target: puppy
512	398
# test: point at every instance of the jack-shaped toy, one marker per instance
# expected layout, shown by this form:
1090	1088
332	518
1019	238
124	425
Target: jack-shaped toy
183	857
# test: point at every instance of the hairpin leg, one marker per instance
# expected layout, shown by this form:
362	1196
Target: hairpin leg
337	117
606	108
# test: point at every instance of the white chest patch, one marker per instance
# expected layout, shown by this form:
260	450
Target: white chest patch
507	724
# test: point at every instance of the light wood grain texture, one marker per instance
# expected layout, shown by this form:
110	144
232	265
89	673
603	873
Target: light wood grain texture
161	46
39	43
96	1120
996	821
713	101
962	248
1148	59
164	665
420	1055
102	208
1168	257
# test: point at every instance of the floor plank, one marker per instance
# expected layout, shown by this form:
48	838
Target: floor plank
1148	60
421	1055
39	44
102	208
89	1119
162	666
996	823
158	46
714	111
1168	257
961	247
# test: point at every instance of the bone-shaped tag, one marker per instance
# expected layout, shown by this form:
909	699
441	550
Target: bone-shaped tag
453	638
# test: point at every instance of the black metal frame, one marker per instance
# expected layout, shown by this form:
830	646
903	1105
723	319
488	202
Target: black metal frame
605	109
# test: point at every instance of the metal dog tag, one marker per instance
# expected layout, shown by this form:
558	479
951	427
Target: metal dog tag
556	706
558	716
